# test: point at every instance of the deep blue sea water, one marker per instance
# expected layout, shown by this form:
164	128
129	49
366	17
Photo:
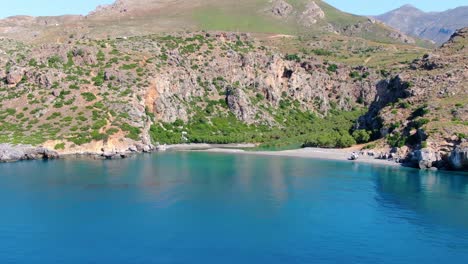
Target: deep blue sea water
223	208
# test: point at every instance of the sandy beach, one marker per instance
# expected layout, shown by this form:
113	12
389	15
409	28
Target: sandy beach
313	153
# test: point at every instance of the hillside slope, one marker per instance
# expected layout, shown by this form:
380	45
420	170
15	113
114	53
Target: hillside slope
425	108
115	95
435	26
142	17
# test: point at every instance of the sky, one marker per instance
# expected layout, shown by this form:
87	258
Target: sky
360	7
48	7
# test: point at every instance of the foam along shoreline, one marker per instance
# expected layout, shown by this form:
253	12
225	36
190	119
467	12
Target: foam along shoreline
313	153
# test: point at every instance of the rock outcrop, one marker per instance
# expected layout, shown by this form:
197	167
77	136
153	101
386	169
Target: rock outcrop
458	159
369	27
425	108
387	91
10	153
311	15
240	105
281	8
426	158
14	75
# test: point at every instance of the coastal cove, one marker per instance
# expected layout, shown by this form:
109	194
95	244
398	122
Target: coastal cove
193	206
11	153
233	131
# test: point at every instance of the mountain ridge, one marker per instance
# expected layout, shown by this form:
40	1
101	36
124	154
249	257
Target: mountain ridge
435	26
140	17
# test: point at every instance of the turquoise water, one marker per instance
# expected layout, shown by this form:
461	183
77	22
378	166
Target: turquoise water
221	208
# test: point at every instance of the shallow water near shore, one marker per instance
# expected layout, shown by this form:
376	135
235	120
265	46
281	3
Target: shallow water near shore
194	207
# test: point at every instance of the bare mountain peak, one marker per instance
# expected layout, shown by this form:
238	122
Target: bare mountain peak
130	6
409	7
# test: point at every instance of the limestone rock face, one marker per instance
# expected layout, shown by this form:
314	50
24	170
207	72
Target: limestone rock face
240	106
428	62
397	35
426	158
44	79
10	153
83	56
281	8
239	78
168	93
311	14
388	91
425	84
459	158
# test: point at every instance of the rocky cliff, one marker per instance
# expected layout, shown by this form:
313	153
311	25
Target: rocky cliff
425	107
71	97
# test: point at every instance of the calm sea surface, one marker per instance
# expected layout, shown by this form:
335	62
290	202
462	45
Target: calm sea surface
223	208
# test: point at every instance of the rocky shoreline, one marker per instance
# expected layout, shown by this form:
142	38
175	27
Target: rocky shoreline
424	159
421	159
14	153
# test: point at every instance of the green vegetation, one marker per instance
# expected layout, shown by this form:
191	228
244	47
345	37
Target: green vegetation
234	17
99	79
88	96
133	132
129	66
396	140
60	146
292	57
112	131
332	68
300	128
421	111
361	136
54	61
322	52
420	123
